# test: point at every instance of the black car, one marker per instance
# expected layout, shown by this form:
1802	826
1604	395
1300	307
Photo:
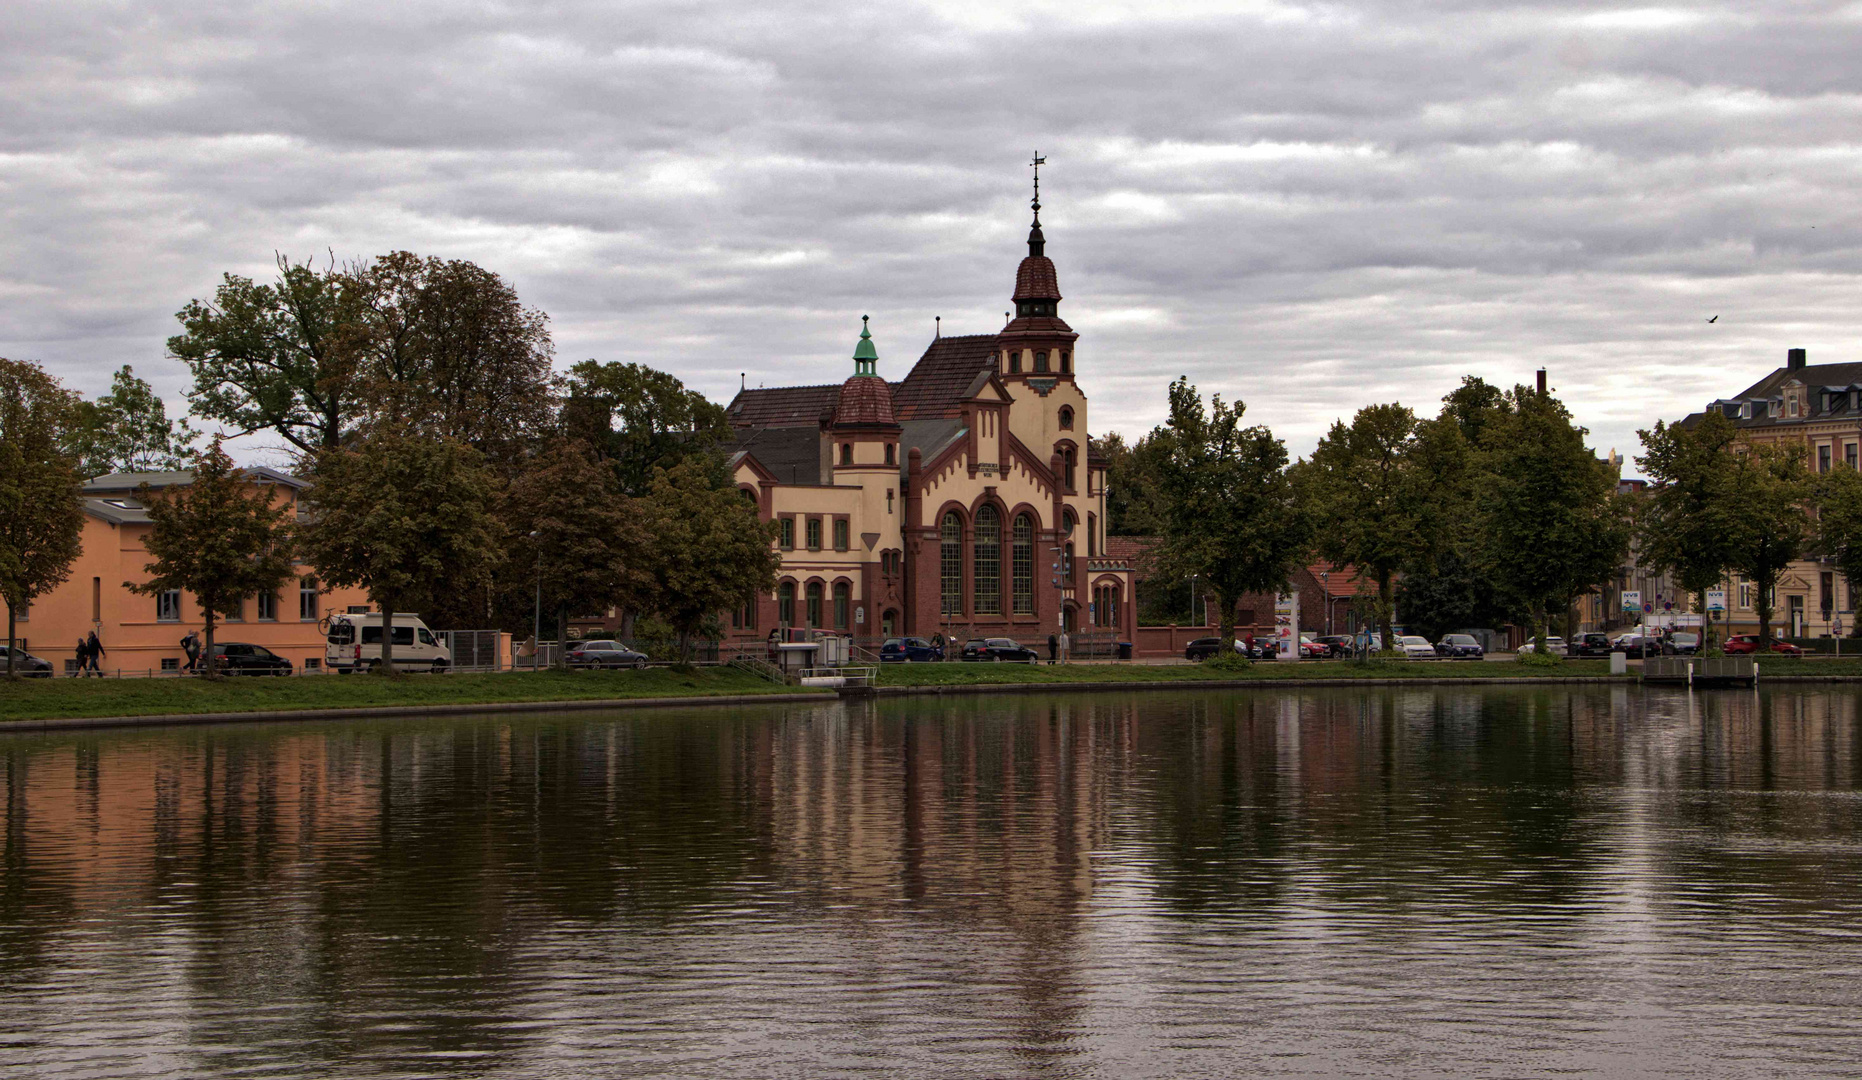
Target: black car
1336	645
236	658
1592	645
909	650
603	654
998	649
24	663
1205	647
1459	647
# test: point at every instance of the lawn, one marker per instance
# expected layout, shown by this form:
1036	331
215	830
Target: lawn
960	674
40	699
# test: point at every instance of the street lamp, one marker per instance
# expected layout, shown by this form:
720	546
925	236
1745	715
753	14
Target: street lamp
536	632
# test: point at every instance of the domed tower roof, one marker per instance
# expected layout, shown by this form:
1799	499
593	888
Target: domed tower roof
1037	285
865	398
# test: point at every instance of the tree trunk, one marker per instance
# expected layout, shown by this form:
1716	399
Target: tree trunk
1538	629
387	636
1706	621
1386	608
1762	604
211	668
561	662
1226	620
10	638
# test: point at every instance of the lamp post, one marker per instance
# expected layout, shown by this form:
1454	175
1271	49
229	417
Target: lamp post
536	632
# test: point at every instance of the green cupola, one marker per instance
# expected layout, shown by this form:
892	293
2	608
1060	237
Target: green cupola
865	356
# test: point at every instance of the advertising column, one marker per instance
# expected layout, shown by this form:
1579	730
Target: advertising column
1287	625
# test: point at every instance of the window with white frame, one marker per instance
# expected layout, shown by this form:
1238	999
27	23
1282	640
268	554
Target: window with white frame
307	600
168	606
268	607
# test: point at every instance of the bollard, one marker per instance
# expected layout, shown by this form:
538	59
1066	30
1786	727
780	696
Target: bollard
1619	663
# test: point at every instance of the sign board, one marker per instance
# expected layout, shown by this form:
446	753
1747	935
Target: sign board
1287	625
1716	599
1632	600
859	615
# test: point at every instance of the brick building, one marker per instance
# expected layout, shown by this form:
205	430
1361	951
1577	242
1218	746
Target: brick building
964	499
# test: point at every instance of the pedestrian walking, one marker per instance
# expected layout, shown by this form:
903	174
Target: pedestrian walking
1053	648
84	659
95	647
191	645
1064	644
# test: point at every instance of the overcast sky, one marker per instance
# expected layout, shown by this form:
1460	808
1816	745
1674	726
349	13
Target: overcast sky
1307	207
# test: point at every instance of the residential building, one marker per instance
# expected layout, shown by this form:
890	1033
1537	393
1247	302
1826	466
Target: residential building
964	499
142	634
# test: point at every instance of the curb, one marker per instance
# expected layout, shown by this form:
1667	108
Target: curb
1244	684
69	723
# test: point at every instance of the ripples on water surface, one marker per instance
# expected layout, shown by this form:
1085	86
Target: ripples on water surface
1385	883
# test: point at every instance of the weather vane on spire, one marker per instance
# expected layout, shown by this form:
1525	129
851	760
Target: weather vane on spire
1037	163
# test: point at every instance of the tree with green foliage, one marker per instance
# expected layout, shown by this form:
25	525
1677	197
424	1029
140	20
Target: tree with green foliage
401	515
281	357
1132	506
1685	519
706	550
640	420
1382	492
41	509
1446	593
1231	517
1552	525
128	430
1839	524
567	518
1767	523
221	537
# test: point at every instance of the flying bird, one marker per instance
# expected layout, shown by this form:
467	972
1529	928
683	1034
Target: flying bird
1715	319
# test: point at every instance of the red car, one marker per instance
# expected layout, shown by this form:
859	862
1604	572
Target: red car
1749	643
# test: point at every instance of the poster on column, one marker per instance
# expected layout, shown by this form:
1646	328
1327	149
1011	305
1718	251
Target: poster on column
1287	625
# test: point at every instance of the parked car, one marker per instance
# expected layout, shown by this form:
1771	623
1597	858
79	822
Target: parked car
1310	649
604	654
238	658
1554	645
907	650
1459	647
1336	645
998	649
1681	643
353	643
1631	642
24	663
1416	647
1592	645
1749	643
1205	647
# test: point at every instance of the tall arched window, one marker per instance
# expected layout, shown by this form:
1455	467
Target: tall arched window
1015	361
814	603
785	603
846	453
1040	360
1067	523
950	563
1092	535
1021	565
1066	362
987	561
843	604
1067	463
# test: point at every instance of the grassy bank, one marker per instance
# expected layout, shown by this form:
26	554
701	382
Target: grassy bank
986	674
39	699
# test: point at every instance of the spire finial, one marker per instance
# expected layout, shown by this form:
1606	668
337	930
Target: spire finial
1037	243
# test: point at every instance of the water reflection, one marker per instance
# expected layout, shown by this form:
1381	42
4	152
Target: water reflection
1387	882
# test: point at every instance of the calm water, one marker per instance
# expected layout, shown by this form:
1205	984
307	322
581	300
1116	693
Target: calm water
1419	882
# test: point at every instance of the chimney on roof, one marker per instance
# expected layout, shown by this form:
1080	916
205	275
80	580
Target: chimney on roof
1794	359
1541	380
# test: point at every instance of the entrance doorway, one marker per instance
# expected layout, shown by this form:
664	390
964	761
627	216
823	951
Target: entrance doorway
889	623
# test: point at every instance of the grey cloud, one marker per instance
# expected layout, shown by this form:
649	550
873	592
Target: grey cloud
1309	207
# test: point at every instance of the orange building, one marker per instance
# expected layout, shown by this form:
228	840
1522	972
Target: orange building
143	633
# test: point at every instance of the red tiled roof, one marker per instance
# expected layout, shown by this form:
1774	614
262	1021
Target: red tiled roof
783	406
1035	279
865	401
1038	326
942	376
1338	580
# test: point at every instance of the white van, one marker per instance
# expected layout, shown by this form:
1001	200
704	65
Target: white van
353	642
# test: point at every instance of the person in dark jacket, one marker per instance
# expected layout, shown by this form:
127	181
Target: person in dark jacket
83	654
1053	647
95	648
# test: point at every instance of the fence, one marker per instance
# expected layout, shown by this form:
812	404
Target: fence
473	650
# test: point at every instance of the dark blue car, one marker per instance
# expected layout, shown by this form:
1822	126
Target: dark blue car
901	650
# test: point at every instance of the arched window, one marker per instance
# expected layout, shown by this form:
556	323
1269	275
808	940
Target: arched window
843	604
987	561
1092	535
1066	418
1067	463
1021	565
1040	360
950	563
891	450
1067	522
785	603
846	453
814	603
748	494
1105	605
1015	361
1066	362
